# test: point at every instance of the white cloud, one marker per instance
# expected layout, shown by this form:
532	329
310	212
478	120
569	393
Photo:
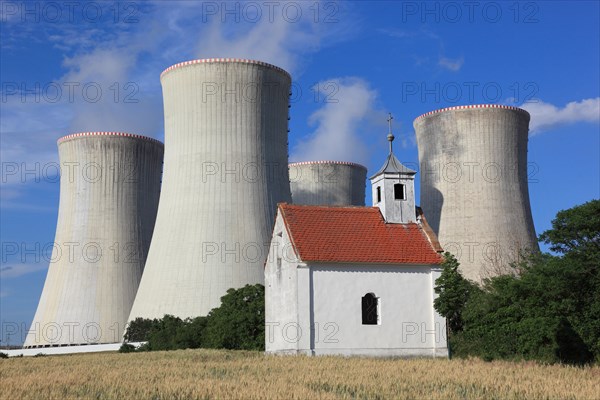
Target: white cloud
404	34
126	60
28	146
348	113
414	36
124	103
35	115
407	140
284	33
452	64
277	42
546	116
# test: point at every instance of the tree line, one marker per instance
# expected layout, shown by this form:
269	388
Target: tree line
238	323
548	310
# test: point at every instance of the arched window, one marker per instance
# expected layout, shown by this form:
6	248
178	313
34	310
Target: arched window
370	309
379	194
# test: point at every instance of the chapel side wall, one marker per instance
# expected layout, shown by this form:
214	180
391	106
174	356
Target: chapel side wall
281	300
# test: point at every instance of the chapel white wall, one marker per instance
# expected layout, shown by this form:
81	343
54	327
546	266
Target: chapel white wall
281	293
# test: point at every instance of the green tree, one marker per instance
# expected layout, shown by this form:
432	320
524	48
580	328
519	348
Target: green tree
190	334
453	292
239	323
576	231
167	333
522	317
139	329
164	334
548	312
575	235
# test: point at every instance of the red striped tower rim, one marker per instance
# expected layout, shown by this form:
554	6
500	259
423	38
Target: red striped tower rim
225	60
328	162
113	134
471	107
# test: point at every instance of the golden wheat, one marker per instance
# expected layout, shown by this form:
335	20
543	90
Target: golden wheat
205	374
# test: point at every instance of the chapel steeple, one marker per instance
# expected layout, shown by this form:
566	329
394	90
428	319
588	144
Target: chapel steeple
393	187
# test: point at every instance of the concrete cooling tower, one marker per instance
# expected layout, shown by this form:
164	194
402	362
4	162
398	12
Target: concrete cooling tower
330	183
474	193
226	168
109	189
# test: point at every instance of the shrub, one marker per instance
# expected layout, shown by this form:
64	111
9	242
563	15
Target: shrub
139	329
239	323
127	348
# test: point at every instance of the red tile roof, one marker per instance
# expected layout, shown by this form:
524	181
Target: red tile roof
356	235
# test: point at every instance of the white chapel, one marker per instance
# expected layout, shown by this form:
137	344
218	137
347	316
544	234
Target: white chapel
356	280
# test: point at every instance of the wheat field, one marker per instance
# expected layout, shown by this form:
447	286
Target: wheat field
207	374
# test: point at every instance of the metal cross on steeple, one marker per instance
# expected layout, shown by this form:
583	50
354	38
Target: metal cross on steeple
390	136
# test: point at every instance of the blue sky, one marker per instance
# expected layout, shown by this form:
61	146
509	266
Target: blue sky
95	66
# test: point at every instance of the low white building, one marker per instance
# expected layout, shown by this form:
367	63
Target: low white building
355	280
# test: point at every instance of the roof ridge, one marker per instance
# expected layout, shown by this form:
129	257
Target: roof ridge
428	232
331	207
393	165
281	208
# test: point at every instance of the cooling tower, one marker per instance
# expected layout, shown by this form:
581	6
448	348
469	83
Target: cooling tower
109	189
226	168
474	184
331	183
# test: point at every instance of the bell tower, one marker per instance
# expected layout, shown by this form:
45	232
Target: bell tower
393	188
